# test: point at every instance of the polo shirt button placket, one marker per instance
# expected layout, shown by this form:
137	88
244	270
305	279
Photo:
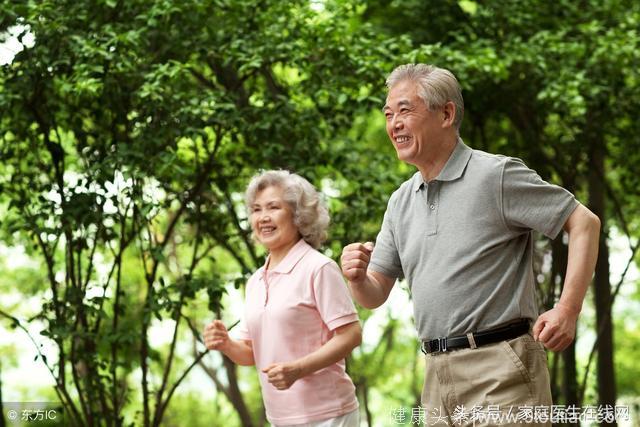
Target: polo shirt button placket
266	288
432	213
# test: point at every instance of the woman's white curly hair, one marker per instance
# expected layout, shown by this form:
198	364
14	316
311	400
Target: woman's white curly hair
310	214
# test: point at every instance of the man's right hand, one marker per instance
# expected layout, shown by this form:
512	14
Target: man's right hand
355	260
216	336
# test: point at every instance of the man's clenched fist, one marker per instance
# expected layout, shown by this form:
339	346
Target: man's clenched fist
355	260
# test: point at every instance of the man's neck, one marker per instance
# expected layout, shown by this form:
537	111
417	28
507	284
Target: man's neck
438	158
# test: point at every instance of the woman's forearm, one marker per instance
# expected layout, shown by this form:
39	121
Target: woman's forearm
346	338
239	351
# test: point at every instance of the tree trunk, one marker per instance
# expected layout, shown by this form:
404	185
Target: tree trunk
569	385
569	374
602	288
364	392
2	424
234	393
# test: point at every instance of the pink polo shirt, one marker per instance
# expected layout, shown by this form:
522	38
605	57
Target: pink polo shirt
290	313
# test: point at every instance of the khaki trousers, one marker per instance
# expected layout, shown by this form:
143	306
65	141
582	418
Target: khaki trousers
505	383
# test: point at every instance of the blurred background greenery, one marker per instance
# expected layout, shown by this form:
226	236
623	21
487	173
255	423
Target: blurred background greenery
129	129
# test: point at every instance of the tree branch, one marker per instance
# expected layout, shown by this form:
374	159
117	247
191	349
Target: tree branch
60	389
236	222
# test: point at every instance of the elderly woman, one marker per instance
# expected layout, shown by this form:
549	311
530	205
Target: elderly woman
299	321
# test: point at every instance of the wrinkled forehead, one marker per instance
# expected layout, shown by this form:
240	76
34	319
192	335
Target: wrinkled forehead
403	93
269	193
397	104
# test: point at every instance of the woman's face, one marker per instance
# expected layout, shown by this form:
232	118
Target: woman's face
272	220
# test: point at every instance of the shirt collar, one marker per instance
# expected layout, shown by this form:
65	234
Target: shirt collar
292	258
417	181
452	170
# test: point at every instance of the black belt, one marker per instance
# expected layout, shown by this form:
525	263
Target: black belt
490	336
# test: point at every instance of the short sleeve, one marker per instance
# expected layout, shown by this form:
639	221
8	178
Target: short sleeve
332	297
529	202
385	258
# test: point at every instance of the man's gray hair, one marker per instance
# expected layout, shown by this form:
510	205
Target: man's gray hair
310	214
437	86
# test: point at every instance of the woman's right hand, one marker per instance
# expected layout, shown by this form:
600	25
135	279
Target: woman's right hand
216	336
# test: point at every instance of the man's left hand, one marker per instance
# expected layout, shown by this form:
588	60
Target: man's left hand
556	328
283	375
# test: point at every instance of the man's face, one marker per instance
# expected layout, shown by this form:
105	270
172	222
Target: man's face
411	127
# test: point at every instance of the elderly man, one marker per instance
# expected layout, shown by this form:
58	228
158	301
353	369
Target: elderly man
460	231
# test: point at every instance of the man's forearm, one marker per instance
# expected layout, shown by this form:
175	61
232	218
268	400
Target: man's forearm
370	293
582	256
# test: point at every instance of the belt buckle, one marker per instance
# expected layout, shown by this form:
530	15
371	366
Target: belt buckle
442	345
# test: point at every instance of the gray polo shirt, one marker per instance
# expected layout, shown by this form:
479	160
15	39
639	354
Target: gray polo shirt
464	241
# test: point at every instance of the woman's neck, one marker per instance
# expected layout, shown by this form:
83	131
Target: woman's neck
276	255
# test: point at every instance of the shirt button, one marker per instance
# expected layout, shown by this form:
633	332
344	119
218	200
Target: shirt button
432	206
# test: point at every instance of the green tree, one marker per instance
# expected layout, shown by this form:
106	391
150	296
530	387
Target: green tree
555	84
128	131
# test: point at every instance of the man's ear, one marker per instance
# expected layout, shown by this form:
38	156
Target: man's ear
449	114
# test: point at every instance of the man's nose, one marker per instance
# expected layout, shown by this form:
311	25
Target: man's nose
396	123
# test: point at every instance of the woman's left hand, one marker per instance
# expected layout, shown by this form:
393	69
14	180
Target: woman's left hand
283	375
